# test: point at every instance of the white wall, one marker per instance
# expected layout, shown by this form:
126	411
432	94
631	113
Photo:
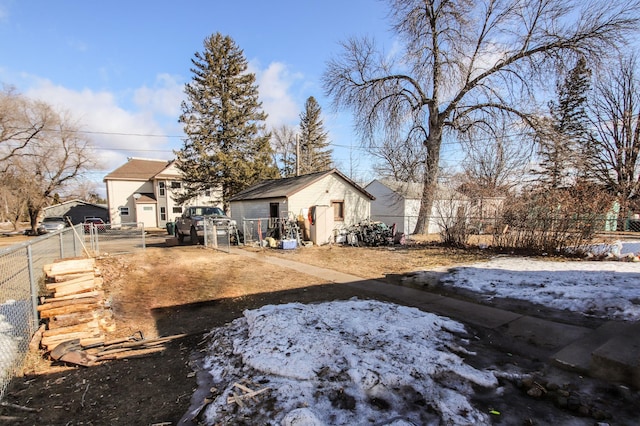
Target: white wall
120	194
357	206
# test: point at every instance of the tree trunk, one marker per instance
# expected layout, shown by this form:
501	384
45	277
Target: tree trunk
433	144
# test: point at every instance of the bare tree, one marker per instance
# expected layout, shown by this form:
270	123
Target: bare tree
495	162
19	122
283	144
614	159
47	163
464	62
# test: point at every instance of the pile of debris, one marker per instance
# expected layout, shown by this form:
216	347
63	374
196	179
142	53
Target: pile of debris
76	319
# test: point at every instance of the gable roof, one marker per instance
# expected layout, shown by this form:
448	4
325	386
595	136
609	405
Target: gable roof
409	190
286	187
413	190
138	169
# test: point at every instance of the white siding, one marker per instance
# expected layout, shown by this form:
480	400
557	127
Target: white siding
390	207
120	194
332	188
255	209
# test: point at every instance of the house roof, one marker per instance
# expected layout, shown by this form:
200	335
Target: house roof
75	202
410	190
413	190
138	169
285	187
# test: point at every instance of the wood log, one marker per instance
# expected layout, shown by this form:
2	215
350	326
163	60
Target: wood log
61	303
94	293
34	344
67	277
81	278
132	354
86	326
82	287
64	320
70	267
83	307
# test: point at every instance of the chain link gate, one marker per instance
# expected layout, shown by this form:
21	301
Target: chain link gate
219	237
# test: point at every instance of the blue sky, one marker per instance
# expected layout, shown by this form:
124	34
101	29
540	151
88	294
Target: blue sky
120	66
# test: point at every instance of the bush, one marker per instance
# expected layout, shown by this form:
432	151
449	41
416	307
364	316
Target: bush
552	221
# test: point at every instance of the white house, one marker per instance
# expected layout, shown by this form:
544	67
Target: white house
399	203
141	191
329	192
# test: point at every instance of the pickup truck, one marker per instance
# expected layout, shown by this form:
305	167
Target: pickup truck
191	222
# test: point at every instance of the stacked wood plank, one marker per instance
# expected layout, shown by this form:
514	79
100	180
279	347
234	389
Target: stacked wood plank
76	307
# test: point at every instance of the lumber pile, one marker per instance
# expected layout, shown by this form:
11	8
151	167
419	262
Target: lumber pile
75	307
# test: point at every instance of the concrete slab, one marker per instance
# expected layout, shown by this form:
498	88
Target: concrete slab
405	295
618	359
577	355
545	333
484	316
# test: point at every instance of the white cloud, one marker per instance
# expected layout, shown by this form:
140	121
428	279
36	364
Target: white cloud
274	85
164	98
115	132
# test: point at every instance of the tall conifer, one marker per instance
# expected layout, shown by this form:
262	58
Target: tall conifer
315	154
226	146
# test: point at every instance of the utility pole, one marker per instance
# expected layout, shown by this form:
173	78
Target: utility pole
297	156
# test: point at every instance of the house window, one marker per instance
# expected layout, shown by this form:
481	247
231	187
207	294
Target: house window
163	213
338	210
176	185
124	211
161	188
207	193
147	208
177	210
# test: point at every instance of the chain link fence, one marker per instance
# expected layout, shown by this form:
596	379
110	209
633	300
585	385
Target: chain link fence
104	238
21	275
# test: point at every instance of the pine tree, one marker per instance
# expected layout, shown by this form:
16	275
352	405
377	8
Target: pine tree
227	146
562	150
315	154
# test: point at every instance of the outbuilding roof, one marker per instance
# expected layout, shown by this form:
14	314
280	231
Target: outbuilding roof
285	187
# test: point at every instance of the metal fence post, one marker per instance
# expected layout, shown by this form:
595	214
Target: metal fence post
144	246
34	289
61	239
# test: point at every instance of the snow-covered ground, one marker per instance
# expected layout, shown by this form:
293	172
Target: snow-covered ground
343	363
606	289
366	362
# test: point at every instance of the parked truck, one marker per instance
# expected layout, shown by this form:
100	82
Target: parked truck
191	223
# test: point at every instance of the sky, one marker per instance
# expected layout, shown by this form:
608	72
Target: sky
119	67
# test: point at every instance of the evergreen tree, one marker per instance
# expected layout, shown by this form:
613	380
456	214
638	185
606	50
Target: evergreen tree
562	150
315	154
227	146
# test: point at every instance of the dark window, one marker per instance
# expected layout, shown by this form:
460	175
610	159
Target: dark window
161	188
176	185
163	213
274	209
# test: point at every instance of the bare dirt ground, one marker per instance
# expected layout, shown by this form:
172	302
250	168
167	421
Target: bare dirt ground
166	291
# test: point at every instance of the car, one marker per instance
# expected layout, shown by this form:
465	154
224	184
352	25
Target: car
52	224
94	222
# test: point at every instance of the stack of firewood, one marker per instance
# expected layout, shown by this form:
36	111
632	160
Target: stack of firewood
76	307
